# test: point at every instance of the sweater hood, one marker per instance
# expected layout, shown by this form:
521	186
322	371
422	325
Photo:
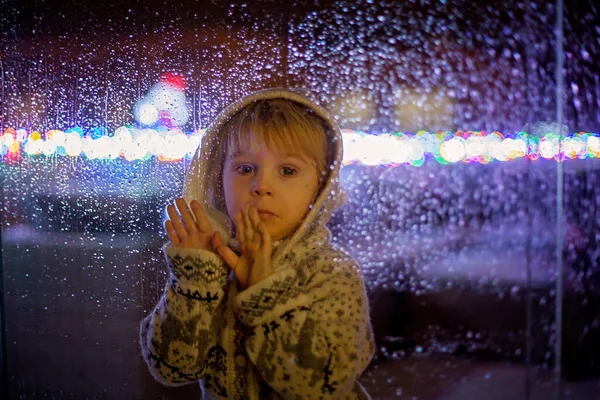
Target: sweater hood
204	174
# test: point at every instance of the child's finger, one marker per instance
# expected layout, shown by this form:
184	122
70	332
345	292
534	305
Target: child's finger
216	241
239	222
248	227
201	218
230	258
171	234
255	220
265	237
176	222
186	215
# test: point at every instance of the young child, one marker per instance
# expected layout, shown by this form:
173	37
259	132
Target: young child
259	304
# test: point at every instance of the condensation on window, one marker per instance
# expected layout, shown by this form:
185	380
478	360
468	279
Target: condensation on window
451	140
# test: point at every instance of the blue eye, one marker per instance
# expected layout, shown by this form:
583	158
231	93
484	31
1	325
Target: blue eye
244	169
288	171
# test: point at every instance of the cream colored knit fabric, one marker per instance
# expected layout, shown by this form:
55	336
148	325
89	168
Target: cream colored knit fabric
302	333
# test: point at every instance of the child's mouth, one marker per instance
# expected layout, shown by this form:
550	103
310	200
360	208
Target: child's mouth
265	215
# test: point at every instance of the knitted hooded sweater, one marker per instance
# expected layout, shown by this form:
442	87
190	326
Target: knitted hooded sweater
301	333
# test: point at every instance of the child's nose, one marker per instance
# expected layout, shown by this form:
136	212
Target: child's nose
262	185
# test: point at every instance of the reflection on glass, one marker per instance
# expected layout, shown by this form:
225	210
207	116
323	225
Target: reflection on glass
451	196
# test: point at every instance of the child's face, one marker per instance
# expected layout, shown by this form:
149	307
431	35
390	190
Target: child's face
282	185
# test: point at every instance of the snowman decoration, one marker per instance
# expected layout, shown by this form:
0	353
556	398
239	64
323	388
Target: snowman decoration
164	104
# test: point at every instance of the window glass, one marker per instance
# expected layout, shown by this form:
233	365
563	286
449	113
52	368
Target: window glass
451	144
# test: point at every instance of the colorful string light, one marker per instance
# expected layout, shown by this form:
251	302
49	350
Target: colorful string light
359	147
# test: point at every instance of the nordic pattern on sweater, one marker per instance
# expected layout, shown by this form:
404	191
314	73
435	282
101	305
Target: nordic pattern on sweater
301	331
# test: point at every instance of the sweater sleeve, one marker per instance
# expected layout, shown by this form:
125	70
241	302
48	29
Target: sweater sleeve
179	337
308	341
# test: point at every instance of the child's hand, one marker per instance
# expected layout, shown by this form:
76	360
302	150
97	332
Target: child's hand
254	264
188	234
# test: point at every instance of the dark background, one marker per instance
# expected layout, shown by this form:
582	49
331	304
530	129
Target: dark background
459	259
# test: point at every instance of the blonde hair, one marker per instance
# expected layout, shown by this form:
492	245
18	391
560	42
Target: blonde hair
283	125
